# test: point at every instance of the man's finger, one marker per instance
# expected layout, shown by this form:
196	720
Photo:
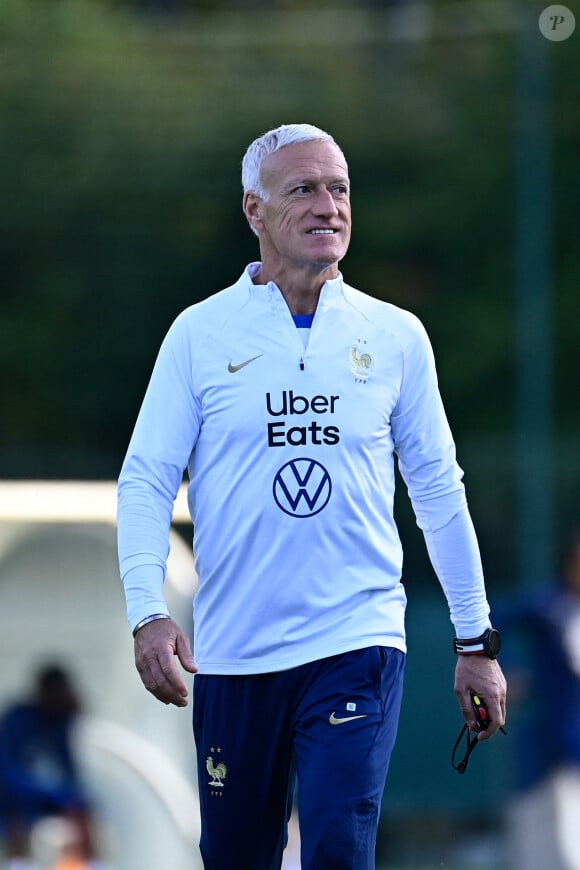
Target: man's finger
156	646
185	654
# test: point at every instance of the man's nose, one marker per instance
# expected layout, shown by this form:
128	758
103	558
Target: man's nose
324	203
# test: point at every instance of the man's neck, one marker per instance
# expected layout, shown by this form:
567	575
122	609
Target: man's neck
299	287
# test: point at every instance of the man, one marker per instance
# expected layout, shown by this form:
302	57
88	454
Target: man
543	815
287	396
39	776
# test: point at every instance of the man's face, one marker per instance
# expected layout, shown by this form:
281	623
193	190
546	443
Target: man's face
306	220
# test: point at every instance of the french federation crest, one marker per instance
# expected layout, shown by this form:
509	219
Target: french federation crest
217	772
361	362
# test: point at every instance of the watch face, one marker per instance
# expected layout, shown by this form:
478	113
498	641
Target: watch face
494	642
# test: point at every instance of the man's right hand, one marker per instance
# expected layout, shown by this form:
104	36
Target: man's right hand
157	645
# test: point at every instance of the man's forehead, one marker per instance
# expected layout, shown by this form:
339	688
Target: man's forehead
303	159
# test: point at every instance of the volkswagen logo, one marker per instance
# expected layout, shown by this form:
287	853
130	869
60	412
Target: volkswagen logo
302	487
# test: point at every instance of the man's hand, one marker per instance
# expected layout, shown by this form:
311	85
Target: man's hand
478	675
156	646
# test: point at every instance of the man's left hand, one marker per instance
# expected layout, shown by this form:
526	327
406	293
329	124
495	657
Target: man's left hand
481	676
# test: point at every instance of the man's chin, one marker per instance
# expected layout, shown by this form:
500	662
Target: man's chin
323	265
326	259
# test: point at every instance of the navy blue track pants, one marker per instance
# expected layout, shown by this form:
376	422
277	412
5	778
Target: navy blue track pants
331	726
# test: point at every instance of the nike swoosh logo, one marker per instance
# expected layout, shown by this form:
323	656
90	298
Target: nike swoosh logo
335	720
232	368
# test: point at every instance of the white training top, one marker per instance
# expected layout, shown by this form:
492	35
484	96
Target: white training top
290	452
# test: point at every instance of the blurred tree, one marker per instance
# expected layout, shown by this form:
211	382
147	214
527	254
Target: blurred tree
122	136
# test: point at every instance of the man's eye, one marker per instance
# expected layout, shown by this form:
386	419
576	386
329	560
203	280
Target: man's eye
302	188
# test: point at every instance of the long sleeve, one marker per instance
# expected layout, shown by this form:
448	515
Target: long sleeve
158	453
454	554
427	462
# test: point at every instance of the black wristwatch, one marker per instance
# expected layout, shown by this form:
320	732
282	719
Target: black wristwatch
487	644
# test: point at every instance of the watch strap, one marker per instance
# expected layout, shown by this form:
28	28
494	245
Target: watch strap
469	647
487	644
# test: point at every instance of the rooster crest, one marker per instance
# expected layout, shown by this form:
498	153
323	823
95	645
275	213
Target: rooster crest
361	364
218	773
362	361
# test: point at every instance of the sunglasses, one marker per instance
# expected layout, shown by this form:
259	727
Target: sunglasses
471	742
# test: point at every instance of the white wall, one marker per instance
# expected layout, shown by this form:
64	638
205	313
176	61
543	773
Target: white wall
61	598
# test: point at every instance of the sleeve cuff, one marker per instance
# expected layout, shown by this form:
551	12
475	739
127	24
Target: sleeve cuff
144	593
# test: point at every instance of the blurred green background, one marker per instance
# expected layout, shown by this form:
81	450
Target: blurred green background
123	125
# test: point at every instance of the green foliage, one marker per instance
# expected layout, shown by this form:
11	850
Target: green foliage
122	140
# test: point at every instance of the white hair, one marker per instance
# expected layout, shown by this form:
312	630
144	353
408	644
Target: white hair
272	141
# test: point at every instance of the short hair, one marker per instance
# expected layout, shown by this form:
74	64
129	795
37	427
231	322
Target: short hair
272	141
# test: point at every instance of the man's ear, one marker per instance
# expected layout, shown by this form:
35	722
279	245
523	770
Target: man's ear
252	205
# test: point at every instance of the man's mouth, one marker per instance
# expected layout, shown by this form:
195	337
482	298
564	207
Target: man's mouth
322	232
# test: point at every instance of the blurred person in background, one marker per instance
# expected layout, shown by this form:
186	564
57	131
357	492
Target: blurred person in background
39	776
545	683
287	397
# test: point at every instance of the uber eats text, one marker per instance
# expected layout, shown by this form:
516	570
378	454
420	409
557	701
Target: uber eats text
280	433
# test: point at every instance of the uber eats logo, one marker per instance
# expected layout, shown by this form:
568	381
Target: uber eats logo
302	486
303	432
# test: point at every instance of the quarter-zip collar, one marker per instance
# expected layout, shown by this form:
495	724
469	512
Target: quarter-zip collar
332	290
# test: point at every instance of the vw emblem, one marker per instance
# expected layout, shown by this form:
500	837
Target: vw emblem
302	487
